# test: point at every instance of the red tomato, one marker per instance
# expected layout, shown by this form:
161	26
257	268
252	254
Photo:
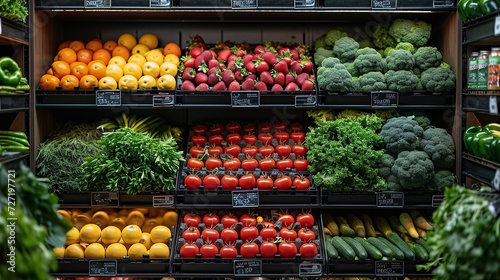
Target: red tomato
280	126
301	183
216	128
249	233
300	164
268	233
306	220
233	127
195	163
233	150
308	250
283	182
233	138
286	219
192	219
264	127
195	150
283	150
228	252
296	127
192	182
211	182
266	150
250	139
287	250
267	223
229	235
199	129
299	150
306	235
282	136
267	164
213	163
208	251
232	164
199	140
288	234
298	136
265	138
248	219
249	127
215	139
215	150
250	150
247	181
191	234
229	182
264	183
229	220
284	164
249	250
268	249
210	220
249	164
189	250
209	235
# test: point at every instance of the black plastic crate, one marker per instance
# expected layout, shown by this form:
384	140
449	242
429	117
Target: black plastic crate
286	4
9	102
142	199
424	3
141	3
410	199
357	4
14	29
61	3
207	4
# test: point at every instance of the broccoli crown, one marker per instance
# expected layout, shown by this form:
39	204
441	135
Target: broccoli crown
333	35
350	67
405	46
335	79
345	49
438	79
320	42
368	60
427	57
386	51
403	81
413	169
420	117
442	178
401	134
439	145
416	32
417	71
372	81
330	62
399	59
386	163
381	37
355	83
320	54
365	42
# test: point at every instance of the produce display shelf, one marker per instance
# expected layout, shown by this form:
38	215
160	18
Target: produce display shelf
12	160
480	29
87	199
367	268
13	102
103	4
13	32
379	200
480	101
479	169
145	267
400	4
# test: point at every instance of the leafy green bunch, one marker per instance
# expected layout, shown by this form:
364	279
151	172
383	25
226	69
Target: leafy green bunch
14	9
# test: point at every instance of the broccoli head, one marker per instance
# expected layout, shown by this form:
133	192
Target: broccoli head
333	35
399	59
416	71
405	46
438	79
355	83
329	62
442	178
372	81
386	51
427	57
335	79
413	169
416	32
381	37
320	42
401	134
386	163
320	54
350	67
345	49
420	117
403	81
368	60
439	145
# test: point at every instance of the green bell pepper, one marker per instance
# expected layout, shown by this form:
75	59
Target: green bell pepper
483	141
462	12
488	6
10	74
472	9
469	135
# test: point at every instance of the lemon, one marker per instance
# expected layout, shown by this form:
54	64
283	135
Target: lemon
151	68
166	82
168	68
59	251
127	40
90	233
159	250
147	82
74	251
114	71
111	234
116	251
118	60
160	234
128	82
94	251
137	250
72	236
170	57
150	40
133	69
146	240
155	55
137	58
107	82
132	234
140	49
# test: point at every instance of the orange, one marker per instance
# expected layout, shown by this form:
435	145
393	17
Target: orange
84	55
77	45
49	82
170	218
103	55
79	70
109	45
97	68
172	48
121	51
89	82
66	54
69	82
94	44
60	68
63	45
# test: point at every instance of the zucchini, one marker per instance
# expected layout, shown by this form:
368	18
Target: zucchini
420	252
384	249
422	243
396	240
420	221
421	232
370	249
11	142
398	254
356	224
344	227
343	248
18	134
367	221
396	224
330	223
21	149
382	225
407	222
357	247
331	252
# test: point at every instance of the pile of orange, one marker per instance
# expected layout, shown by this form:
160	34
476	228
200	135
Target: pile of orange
127	63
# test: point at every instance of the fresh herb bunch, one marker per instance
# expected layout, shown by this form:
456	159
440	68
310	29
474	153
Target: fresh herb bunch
14	9
344	154
132	161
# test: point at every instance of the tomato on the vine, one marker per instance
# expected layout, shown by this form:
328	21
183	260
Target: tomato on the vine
264	182
250	139
229	220
265	138
283	150
213	163
195	163
249	128
229	235
210	235
249	233
215	139
247	181
282	136
287	249
233	127
306	220
268	249
267	164
209	250
298	136
211	182
283	182
192	182
228	252
299	150
264	127
191	234
266	150
210	219
300	164
232	164
214	150
189	250
229	182
296	127
301	183
233	150
268	233
284	164
287	233
196	151
199	140
216	128
308	250
250	150
249	164
233	138
306	234
249	250
248	219
281	126
200	129
192	219
286	219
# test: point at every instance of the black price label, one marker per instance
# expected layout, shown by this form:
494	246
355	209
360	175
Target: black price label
244	4
496	180
163	200
442	3
247	268
390	199
298	4
383	4
102	267
160	3
163	100
245	99
108	98
437	200
494	207
108	199
245	198
305	101
97	3
384	99
310	269
389	268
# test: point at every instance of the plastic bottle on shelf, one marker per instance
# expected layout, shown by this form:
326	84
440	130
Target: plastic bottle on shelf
482	69
494	68
472	73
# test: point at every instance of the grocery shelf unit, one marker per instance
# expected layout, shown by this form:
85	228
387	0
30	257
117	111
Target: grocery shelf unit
52	25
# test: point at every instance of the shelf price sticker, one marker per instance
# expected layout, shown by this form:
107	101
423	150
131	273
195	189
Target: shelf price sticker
390	199
245	198
247	267
103	267
494	207
163	100
442	3
496	180
310	269
389	268
108	199
493	105
160	3
244	4
300	4
437	199
497	26
383	4
97	4
242	99
305	101
163	200
387	99
108	98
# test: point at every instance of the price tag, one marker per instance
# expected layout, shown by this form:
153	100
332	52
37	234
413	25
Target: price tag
108	199
384	99
108	98
102	267
163	100
310	269
390	199
442	3
496	180
389	268
1	25
437	200
245	198
247	267
383	4
163	200
305	101
245	98
160	3
97	4
494	207
298	4
497	26
493	105
244	4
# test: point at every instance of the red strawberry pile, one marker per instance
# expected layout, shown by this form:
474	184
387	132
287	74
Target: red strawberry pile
269	67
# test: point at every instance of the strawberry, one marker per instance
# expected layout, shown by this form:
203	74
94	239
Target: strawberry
307	65
207	55
248	58
259	49
262	66
281	66
250	67
187	61
234	85
231	57
299	80
269	57
292	87
248	84
213	70
307	85
277	87
279	78
220	86
238	51
213	54
198	61
227	76
260	86
212	63
223	55
200	78
294	54
251	76
188	74
289	78
295	67
187	85
266	78
212	79
202	87
195	51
